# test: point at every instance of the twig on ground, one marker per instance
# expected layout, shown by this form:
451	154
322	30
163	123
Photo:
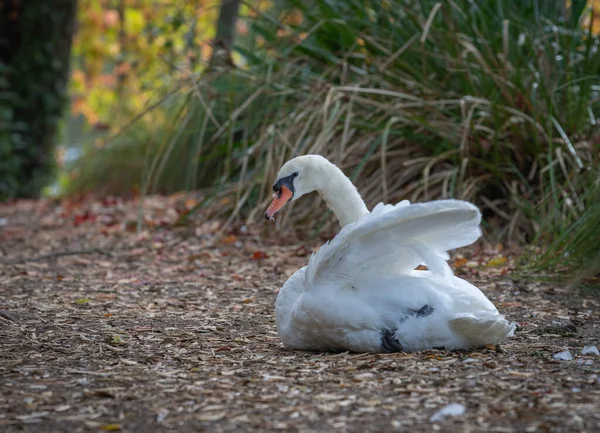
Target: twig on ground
8	316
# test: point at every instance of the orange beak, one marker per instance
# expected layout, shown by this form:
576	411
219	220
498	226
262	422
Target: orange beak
279	200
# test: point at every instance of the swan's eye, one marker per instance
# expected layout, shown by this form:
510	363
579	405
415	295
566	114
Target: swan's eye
287	181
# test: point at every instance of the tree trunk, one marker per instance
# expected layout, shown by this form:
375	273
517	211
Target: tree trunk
35	49
225	33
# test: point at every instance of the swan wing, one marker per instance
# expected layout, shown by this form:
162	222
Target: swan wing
398	238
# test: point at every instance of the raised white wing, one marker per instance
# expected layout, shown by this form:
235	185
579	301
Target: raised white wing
398	239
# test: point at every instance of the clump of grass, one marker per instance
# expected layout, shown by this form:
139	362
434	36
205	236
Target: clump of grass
573	252
493	102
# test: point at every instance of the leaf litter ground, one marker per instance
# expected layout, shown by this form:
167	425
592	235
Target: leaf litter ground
105	329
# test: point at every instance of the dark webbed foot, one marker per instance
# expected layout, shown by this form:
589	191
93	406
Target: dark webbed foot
389	343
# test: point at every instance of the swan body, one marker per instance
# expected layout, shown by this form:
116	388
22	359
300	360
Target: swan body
360	292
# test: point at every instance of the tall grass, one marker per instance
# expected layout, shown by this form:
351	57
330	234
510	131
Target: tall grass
494	102
572	252
490	101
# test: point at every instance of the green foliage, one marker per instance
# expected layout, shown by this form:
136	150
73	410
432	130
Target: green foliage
126	52
494	102
573	254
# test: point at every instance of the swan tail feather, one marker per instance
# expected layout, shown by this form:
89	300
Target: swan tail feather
480	330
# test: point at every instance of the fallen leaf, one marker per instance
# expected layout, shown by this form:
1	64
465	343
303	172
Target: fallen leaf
459	263
199	256
190	203
80	219
259	255
510	304
117	339
110	427
497	261
230	239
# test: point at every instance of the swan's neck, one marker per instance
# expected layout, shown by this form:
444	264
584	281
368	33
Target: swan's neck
340	194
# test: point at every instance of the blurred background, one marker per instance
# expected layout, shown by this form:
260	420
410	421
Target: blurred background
495	102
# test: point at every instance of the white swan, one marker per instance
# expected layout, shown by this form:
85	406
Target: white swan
360	291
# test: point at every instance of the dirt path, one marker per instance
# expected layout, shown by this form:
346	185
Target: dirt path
165	332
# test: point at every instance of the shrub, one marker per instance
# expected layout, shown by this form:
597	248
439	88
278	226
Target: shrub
493	102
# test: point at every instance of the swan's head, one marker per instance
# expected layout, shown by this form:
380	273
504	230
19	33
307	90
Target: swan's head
297	177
